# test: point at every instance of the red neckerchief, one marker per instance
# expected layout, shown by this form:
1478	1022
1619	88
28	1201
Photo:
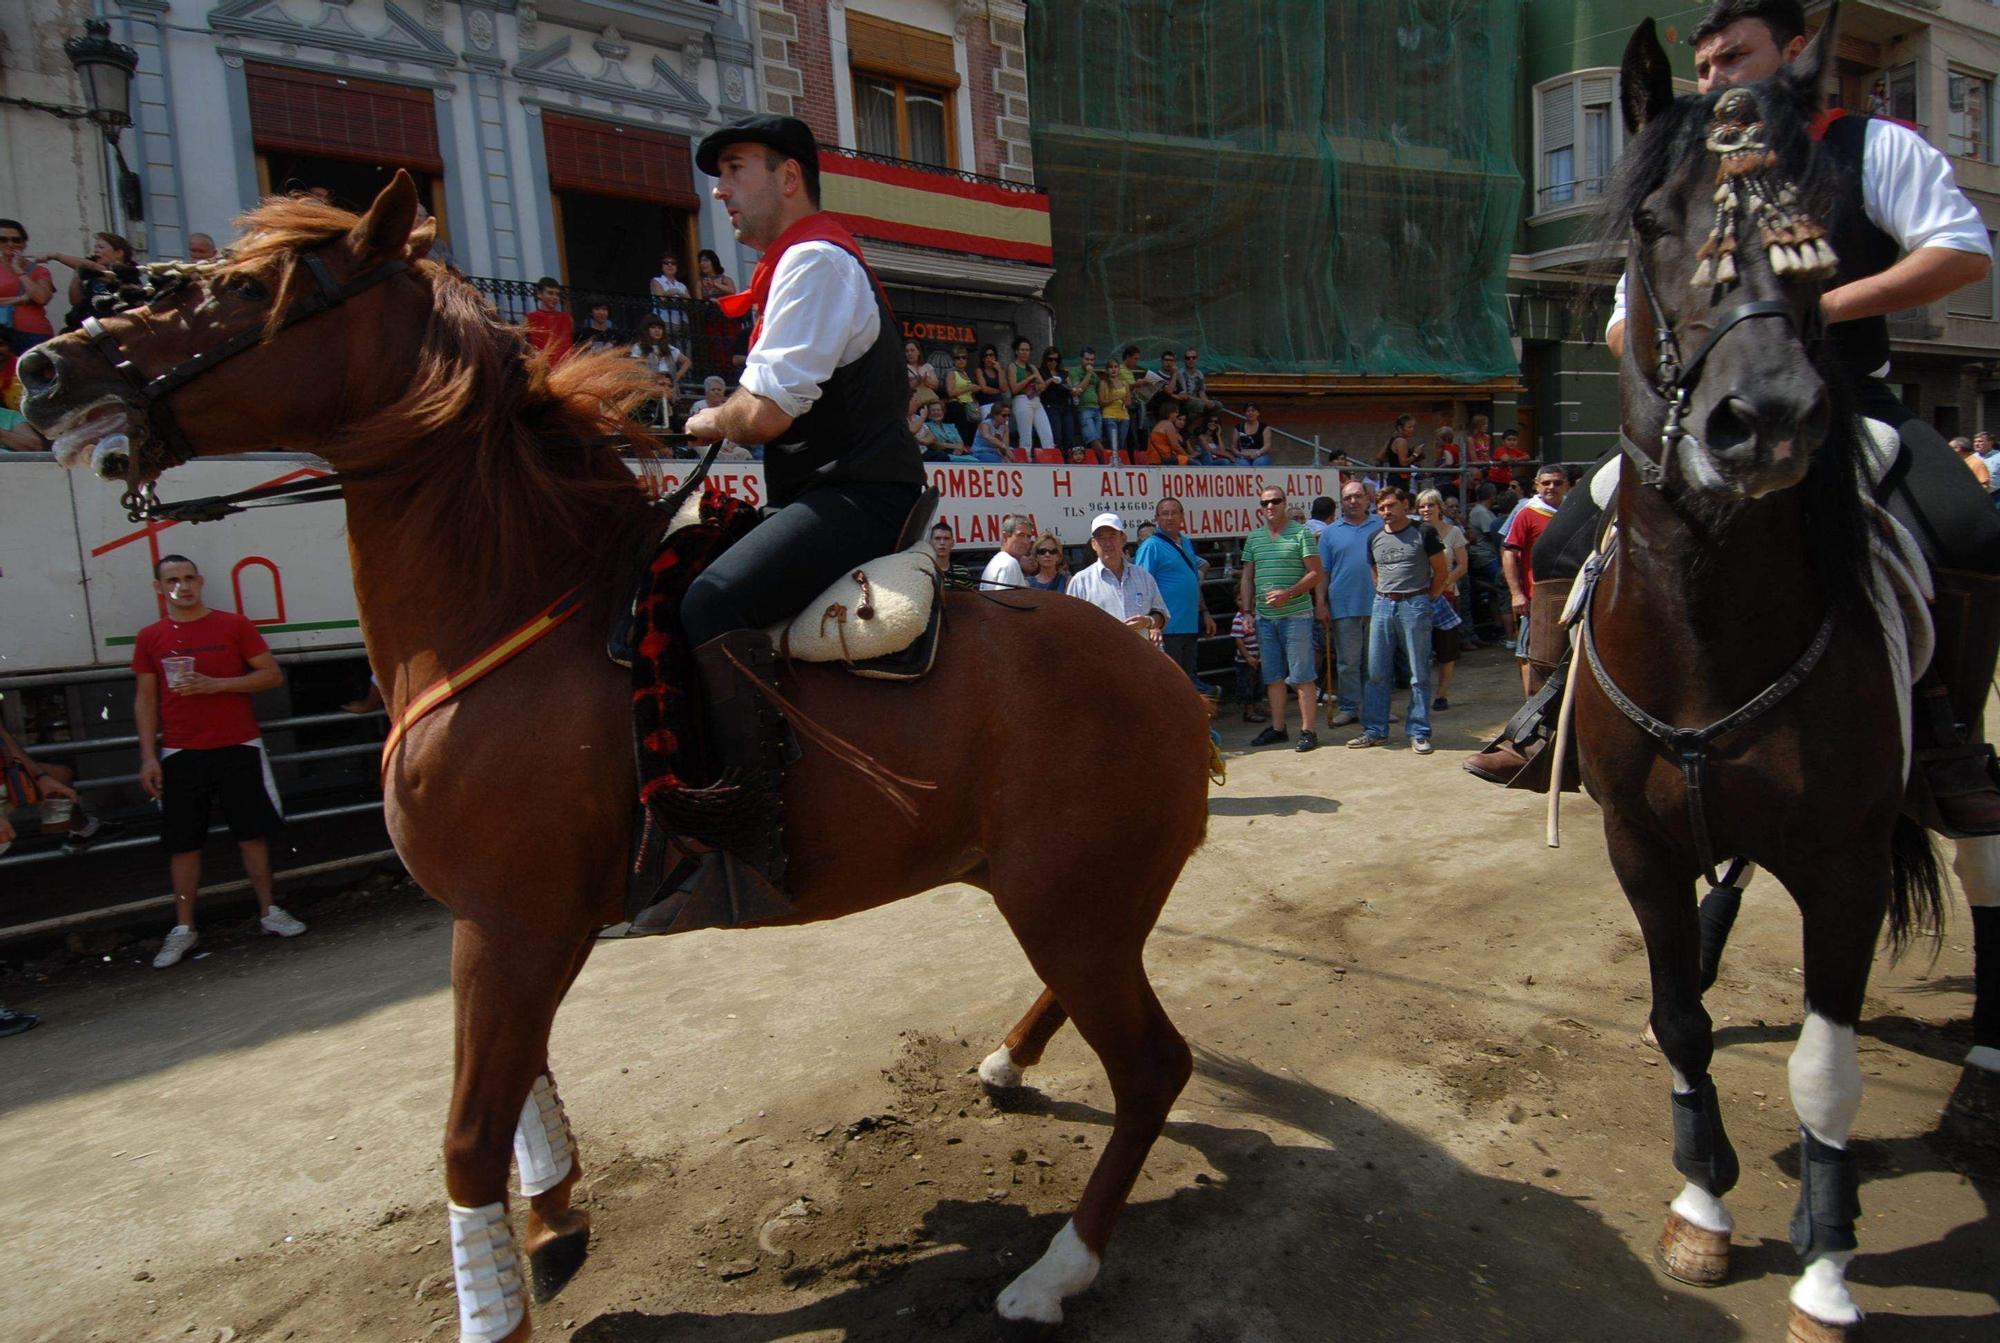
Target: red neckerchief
816	227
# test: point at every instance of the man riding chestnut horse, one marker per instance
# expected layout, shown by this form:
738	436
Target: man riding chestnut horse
1904	236
824	388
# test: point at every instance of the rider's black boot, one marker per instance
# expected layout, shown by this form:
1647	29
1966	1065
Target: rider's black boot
734	831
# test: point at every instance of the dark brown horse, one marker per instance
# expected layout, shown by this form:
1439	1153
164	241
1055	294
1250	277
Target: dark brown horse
470	505
1741	563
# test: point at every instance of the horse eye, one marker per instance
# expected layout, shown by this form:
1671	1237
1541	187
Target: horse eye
248	289
1649	225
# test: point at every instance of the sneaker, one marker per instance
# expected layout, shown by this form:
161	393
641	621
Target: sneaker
178	944
77	840
1270	736
1308	741
1440	703
1364	741
1343	719
1422	746
1508	644
280	924
13	1023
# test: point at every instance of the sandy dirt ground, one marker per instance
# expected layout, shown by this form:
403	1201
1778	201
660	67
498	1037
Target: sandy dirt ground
1420	1108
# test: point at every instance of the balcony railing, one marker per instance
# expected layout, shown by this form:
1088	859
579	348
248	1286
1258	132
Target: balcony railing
694	326
1026	188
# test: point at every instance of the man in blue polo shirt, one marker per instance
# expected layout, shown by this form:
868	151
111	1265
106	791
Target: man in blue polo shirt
1350	594
1177	571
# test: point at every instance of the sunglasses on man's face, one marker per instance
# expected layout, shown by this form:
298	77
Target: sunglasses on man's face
12	237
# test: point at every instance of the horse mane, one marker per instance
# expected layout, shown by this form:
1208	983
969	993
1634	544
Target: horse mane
1671	150
505	485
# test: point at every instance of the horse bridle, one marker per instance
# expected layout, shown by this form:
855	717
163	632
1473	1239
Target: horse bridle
150	391
1674	380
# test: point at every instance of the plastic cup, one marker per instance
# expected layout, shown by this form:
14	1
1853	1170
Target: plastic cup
58	814
178	670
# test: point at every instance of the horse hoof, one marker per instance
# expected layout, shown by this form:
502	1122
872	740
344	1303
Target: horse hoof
551	1266
1692	1254
1803	1328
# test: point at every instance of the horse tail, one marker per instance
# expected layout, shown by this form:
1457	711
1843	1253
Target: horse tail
1916	885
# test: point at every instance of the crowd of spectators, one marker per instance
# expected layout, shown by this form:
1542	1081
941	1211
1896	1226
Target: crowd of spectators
1021	408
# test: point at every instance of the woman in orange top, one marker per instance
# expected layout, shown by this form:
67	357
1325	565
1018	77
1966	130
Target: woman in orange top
1165	447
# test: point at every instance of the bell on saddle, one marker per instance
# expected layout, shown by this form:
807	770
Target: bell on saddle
730	836
1955	786
1519	757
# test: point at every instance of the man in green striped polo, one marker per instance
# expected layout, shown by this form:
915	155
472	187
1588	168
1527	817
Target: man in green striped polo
1281	571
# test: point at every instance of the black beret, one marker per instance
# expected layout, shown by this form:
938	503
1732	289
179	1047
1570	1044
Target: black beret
788	135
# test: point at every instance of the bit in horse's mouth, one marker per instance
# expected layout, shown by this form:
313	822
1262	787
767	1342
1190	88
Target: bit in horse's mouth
80	435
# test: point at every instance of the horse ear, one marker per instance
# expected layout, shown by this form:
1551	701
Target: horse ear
422	237
1810	72
385	230
1646	81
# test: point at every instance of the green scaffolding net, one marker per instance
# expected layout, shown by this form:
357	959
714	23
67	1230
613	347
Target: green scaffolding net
1297	187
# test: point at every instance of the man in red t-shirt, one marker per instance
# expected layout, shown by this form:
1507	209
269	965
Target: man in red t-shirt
549	328
1508	449
211	663
1524	528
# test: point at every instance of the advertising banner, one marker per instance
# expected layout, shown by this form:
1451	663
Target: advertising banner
76	580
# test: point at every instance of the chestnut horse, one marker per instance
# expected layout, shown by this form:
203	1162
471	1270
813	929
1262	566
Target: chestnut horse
1736	595
477	490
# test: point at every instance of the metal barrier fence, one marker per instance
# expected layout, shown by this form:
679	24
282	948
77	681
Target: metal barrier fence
695	326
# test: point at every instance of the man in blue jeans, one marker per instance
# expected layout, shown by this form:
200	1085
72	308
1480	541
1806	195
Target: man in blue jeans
1409	569
1350	595
1281	574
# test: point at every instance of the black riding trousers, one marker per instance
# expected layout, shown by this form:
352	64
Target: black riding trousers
790	557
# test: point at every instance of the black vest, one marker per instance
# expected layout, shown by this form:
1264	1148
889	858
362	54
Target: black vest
858	432
1862	346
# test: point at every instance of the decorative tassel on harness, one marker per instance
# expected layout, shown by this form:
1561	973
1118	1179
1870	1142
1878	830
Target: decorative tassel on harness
1750	180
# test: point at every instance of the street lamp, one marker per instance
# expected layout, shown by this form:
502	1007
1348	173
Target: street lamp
106	69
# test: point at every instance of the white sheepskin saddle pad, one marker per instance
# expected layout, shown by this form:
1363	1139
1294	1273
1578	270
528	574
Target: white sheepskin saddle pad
879	608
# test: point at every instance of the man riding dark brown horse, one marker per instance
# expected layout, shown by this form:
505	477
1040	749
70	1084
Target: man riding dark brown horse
824	388
1904	236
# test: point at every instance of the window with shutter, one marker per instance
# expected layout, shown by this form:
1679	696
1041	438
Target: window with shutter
605	159
1579	136
904	80
306	112
1558	151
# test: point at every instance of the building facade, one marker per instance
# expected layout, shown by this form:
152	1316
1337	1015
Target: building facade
1930	64
921	109
55	172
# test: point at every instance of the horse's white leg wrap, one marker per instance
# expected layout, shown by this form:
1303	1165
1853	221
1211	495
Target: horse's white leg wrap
542	1146
999	1069
1065	1269
1704	1209
1825	1078
487	1268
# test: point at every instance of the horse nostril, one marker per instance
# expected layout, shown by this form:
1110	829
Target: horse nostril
1731	425
36	369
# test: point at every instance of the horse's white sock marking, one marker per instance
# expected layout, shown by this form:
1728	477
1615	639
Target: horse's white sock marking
1821	1290
1681	1087
542	1146
1704	1209
487	1268
999	1069
1825	1078
1065	1269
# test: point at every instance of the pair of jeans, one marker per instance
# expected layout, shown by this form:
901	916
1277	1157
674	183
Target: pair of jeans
1031	423
1285	644
1114	435
1398	626
1350	660
1089	425
1062	419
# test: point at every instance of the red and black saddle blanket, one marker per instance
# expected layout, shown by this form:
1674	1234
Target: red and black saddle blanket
669	727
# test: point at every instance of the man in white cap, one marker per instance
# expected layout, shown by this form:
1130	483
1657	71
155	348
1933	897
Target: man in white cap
1116	585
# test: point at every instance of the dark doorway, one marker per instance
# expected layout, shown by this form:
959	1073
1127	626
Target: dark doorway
613	245
354	184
